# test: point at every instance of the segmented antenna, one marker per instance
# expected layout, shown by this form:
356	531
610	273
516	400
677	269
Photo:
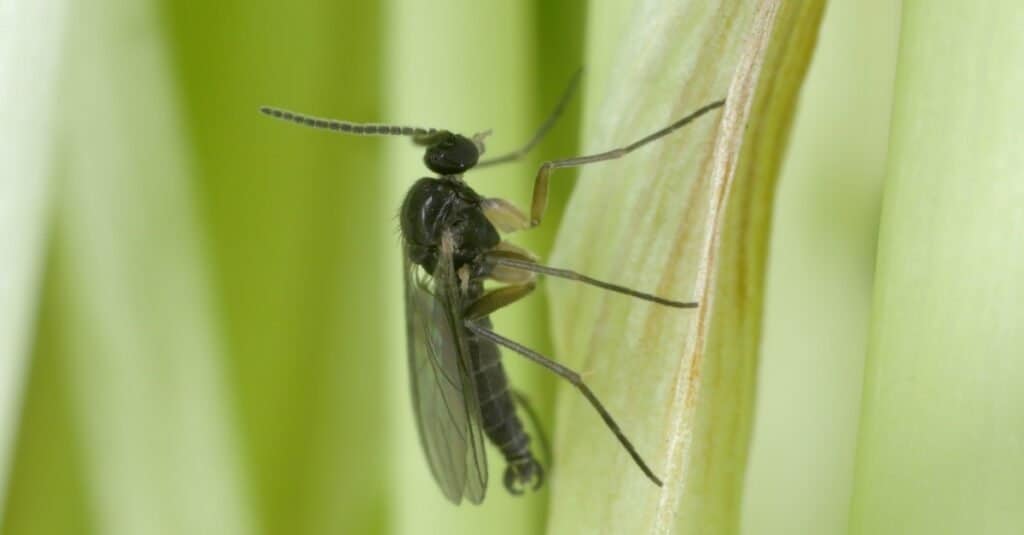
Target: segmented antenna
345	126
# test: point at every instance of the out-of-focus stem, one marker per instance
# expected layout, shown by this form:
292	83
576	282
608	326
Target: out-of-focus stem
941	445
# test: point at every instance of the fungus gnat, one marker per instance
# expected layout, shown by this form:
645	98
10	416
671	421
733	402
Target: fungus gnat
451	246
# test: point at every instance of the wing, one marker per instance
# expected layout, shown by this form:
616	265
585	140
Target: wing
444	395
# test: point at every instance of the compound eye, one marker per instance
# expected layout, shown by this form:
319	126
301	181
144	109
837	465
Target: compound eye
451	155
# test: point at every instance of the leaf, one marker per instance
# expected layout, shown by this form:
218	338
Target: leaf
129	322
290	220
33	35
817	297
685	217
941	445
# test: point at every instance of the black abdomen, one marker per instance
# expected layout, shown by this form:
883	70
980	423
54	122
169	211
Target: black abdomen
497	409
498	414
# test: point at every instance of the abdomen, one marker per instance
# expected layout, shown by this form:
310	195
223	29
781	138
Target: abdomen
497	408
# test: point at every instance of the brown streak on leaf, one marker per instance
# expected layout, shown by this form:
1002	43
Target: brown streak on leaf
727	149
688	221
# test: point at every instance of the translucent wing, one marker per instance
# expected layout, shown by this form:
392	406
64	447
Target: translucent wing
443	389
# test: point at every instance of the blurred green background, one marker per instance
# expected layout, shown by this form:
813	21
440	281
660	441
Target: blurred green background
201	312
216	345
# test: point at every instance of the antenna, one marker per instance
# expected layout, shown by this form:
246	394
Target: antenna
346	126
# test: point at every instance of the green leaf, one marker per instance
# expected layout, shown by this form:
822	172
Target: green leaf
941	446
27	152
290	217
33	35
686	217
819	278
132	329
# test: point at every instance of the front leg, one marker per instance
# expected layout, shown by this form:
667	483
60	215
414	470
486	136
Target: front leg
504	215
540	184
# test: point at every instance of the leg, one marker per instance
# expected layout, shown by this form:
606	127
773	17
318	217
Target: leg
576	381
510	275
540	185
508	248
548	123
495	299
505	216
503	261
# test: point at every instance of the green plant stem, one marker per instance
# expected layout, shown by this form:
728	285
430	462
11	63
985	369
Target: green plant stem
684	218
819	278
941	445
34	35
